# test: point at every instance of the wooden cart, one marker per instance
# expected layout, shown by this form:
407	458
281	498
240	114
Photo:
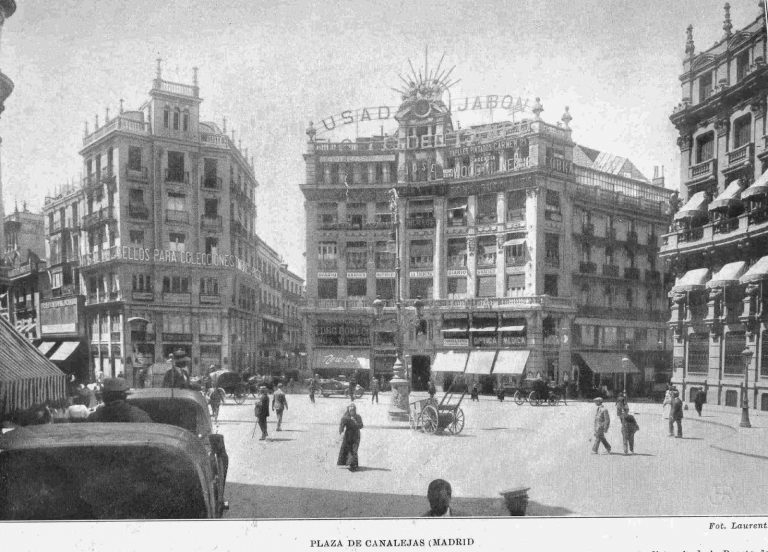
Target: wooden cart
431	416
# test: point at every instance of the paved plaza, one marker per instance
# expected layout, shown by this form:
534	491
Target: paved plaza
716	468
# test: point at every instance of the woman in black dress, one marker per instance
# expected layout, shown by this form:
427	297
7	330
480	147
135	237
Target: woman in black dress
350	426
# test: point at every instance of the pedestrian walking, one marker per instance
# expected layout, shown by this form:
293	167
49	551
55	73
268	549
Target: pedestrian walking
474	394
566	381
261	411
431	389
375	391
312	389
699	400
622	413
279	403
676	415
601	425
350	426
215	400
665	406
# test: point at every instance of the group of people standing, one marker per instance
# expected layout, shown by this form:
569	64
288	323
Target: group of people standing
602	422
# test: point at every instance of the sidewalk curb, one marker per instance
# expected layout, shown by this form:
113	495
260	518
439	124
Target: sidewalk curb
751	455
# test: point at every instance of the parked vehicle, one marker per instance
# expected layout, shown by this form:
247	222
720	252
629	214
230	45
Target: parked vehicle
188	410
232	383
105	471
330	387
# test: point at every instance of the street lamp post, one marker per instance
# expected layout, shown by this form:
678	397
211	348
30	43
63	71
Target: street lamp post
624	364
747	355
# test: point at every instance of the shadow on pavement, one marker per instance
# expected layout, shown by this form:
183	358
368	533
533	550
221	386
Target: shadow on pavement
367	468
279	439
271	501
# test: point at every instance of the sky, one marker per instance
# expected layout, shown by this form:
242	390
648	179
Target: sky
271	67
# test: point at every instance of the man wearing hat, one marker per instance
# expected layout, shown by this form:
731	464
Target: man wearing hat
115	407
279	403
602	423
175	376
261	411
676	414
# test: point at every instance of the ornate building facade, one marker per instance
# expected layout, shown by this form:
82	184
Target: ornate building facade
719	239
531	254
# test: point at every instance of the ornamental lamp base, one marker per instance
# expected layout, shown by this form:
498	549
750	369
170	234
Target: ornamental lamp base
745	417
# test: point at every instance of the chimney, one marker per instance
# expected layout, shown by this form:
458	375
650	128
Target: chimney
658	176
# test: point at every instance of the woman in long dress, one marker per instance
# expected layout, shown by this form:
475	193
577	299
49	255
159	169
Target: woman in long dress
350	426
667	404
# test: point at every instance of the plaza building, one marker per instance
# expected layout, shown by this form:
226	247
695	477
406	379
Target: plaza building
159	239
717	246
531	254
24	271
281	345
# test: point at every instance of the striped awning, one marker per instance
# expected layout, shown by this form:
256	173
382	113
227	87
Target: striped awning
27	378
758	188
517	241
692	280
511	362
729	197
481	362
696	206
756	272
608	363
728	275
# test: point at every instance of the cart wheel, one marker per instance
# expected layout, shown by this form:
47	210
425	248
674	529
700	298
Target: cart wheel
359	392
533	399
429	419
239	394
457	424
518	398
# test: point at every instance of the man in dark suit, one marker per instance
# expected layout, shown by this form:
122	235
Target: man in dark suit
375	391
279	403
262	411
676	415
439	496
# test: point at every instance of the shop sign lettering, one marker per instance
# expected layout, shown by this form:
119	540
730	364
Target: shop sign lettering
144	254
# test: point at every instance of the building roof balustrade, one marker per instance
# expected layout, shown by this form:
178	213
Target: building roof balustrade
750	224
119	123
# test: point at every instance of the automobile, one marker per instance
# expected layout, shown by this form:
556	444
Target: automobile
105	471
330	387
187	410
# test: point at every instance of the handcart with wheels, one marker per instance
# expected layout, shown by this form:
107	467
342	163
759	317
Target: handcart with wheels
431	416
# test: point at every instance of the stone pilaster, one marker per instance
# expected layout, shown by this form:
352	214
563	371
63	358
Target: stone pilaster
439	280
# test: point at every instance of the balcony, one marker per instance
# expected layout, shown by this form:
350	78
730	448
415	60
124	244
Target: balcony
378	225
725	226
210	299
414	223
611	270
691	234
328	265
101	297
211	223
632	238
587	267
102	216
515	215
355	262
513	260
332	224
422	262
136	173
738	156
457	261
702	171
758	216
385	261
67	290
176	216
653	276
631	273
454	222
622	313
211	182
92	185
552	260
177	298
107	177
176	176
486	261
237	227
120	123
98	256
142	296
138	211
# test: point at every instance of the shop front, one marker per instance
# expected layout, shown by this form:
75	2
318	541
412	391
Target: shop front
344	363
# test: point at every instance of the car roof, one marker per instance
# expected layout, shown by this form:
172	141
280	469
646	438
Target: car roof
104	434
169	393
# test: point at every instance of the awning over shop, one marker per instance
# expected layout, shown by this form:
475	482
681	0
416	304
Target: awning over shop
46	346
758	188
483	329
449	361
695	207
457	207
511	362
27	378
454	330
341	359
65	350
517	241
609	363
756	272
692	280
729	197
728	275
480	362
511	328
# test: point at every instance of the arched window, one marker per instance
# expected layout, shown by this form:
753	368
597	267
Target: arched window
185	120
166	116
176	115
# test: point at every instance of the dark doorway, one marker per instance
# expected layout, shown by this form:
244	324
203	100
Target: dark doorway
420	371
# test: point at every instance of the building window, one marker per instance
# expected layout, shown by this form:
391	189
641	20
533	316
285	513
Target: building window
420	287
486	209
357	287
609	257
552	250
166	116
698	353
327	288
486	251
141	282
586	253
175	284
176	166
211	246
764	354
705	86
421	254
385	288
735	342
552	206
176	117
742	65
516	206
550	284
185	121
176	241
457	288
630	298
742	131
486	286
177	323
134	158
515	285
731	398
705	147
584	295
608	293
457	211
